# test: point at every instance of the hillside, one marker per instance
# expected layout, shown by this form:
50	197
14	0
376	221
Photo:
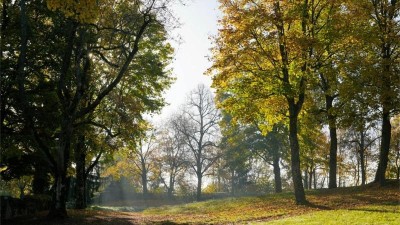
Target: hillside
353	205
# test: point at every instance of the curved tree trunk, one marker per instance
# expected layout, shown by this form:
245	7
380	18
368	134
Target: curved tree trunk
295	158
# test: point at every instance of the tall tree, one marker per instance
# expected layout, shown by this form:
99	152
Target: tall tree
198	123
263	56
84	61
377	55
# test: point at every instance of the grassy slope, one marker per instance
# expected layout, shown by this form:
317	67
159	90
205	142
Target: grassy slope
350	203
360	205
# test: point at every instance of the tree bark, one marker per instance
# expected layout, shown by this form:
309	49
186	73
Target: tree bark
333	143
58	209
295	156
362	158
277	173
144	180
199	184
80	187
385	147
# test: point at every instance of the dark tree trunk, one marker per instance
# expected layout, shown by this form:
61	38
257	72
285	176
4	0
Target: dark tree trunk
333	143
315	178
80	187
171	186
385	147
41	180
199	184
144	183
362	158
310	179
277	172
295	157
58	209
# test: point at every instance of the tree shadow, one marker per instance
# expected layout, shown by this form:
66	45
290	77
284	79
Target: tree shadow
315	206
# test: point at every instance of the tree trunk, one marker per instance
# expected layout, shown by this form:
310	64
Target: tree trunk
385	147
333	143
144	184
233	182
41	180
362	158
58	209
171	187
295	157
80	187
199	182
305	179
315	178
277	173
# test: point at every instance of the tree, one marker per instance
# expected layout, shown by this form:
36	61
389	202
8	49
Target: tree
263	58
378	35
236	152
141	155
198	125
172	154
80	65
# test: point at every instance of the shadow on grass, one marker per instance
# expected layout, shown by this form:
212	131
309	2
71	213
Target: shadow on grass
315	206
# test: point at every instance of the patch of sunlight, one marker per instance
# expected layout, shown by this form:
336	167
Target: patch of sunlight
377	214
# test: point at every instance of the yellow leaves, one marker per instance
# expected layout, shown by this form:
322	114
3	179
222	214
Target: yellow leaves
84	11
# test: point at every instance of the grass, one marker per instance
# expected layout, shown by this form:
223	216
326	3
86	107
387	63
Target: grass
358	205
378	214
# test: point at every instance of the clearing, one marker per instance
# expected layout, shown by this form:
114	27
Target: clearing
353	205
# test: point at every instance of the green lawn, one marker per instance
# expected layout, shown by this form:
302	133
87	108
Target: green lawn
377	214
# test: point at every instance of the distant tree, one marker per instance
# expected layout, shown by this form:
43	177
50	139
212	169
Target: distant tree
172	154
198	123
141	155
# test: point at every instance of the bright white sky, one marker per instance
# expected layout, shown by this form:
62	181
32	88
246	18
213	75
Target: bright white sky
198	20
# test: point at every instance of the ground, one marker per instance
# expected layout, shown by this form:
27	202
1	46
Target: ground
354	205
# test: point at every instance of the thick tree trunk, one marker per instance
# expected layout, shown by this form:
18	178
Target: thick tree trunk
80	187
58	209
41	181
385	147
333	143
295	159
277	173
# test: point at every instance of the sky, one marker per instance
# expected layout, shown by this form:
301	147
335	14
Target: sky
198	20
